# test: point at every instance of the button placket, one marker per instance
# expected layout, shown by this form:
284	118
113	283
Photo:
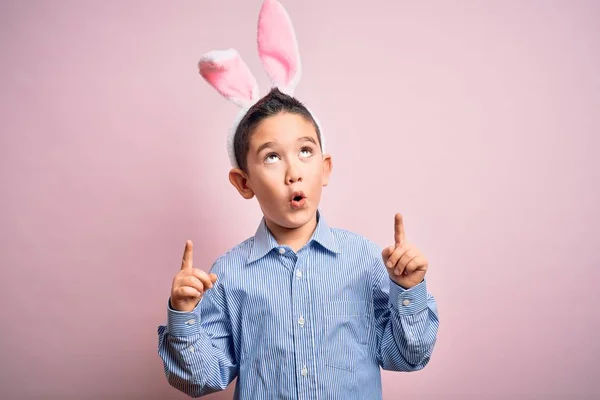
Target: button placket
303	336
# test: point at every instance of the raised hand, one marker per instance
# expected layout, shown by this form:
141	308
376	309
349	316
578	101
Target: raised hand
405	263
190	283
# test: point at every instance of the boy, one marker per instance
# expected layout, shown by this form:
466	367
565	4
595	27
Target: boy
300	310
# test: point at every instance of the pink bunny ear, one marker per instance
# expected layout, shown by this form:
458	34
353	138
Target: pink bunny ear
229	75
277	46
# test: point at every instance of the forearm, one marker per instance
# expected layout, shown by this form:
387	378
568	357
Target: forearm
195	361
410	327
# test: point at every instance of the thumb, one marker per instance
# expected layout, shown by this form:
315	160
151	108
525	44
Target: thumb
386	253
213	277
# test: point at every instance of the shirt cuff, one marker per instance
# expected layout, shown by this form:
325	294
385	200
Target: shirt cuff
183	323
408	301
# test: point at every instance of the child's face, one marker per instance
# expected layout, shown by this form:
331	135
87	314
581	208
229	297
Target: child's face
286	169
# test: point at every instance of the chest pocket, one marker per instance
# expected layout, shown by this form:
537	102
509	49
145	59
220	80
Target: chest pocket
347	330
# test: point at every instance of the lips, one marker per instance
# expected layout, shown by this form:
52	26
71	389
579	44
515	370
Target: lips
297	196
297	199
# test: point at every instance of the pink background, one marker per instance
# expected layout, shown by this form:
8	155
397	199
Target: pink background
478	120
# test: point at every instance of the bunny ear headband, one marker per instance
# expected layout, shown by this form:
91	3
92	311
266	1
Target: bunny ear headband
278	50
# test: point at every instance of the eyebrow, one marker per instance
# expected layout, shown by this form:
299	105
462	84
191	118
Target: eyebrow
269	144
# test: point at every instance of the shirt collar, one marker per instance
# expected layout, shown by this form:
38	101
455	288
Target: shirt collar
264	242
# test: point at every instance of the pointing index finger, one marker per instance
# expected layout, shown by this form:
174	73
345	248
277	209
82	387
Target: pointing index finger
188	255
399	230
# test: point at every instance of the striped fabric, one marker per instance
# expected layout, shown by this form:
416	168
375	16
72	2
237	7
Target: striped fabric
317	324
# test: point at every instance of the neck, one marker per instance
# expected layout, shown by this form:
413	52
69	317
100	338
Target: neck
295	238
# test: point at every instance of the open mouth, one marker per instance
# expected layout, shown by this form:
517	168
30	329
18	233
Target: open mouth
298	200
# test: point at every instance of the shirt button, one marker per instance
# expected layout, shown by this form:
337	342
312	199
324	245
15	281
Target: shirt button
298	274
405	302
281	250
191	349
190	322
304	371
301	321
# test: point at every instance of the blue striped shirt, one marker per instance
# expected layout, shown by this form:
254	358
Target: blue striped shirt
316	324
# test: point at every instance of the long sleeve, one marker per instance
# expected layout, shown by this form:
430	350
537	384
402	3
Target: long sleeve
197	348
406	323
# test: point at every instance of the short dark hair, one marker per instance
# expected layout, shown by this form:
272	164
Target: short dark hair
273	103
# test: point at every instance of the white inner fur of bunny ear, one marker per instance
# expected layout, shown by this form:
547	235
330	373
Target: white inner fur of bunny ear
231	135
220	55
322	136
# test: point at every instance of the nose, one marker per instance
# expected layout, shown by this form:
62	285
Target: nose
293	174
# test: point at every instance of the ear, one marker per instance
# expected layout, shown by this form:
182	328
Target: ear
225	71
278	47
239	179
327	167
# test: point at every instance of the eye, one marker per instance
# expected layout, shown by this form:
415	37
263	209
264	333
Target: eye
271	158
306	152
